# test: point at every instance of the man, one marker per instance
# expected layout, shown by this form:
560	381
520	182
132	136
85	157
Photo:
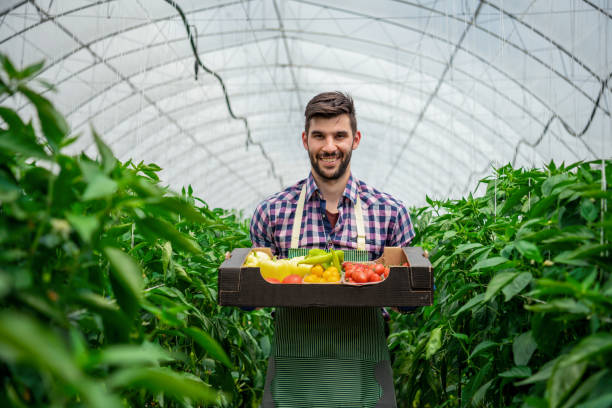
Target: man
330	357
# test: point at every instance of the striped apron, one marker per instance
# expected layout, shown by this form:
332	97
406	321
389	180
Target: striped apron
329	357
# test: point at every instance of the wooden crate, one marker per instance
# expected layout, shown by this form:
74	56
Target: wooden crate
410	285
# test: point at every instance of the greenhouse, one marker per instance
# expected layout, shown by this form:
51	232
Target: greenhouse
147	146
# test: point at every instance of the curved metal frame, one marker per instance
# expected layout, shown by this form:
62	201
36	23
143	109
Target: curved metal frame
284	37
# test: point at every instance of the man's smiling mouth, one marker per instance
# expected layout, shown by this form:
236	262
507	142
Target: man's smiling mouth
329	159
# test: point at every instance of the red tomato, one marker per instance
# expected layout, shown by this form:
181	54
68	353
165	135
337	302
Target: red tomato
379	269
386	272
405	264
348	273
360	276
374	277
292	279
272	280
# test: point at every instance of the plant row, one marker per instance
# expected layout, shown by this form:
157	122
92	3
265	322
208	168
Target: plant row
523	302
108	280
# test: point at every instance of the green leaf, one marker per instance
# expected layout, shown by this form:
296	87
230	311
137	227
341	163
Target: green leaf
551	182
540	207
466	247
209	344
108	159
100	186
9	68
535	402
588	210
577	256
604	401
53	124
166	256
23	339
514	199
571	234
127	282
19	138
480	394
517	285
461	336
490	263
483	345
448	235
528	250
31	70
523	347
183	208
560	305
498	282
159	228
585	388
8	190
563	379
85	225
594	345
542	375
163	380
476	380
433	343
478	253
130	355
516	372
476	300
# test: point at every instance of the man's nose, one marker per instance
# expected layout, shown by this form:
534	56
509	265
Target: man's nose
329	144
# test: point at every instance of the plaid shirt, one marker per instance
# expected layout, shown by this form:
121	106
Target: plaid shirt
386	221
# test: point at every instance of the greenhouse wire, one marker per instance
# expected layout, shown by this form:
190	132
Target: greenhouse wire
522	50
454	17
566	126
149	100
425	8
431	96
249	140
289	60
544	132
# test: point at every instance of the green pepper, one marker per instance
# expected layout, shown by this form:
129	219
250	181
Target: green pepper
316	252
319	259
326	265
335	260
340	256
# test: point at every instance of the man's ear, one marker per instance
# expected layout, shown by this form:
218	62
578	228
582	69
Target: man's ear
305	140
356	139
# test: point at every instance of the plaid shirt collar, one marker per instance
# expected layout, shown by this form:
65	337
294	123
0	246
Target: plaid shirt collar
350	191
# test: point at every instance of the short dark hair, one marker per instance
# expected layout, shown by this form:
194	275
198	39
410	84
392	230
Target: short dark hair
329	105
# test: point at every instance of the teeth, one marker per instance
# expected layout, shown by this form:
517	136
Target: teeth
329	160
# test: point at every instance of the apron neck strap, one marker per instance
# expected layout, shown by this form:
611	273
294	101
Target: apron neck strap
297	221
359	221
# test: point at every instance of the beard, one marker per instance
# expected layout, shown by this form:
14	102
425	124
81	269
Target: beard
344	162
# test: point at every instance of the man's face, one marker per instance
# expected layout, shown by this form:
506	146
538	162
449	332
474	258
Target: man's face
330	142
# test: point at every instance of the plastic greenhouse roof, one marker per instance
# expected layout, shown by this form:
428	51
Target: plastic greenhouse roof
443	89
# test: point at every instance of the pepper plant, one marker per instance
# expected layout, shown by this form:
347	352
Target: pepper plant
108	280
523	303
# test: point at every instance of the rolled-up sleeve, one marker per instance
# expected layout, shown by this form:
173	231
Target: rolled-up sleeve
403	231
260	229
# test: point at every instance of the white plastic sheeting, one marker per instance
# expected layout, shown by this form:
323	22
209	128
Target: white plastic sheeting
444	90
